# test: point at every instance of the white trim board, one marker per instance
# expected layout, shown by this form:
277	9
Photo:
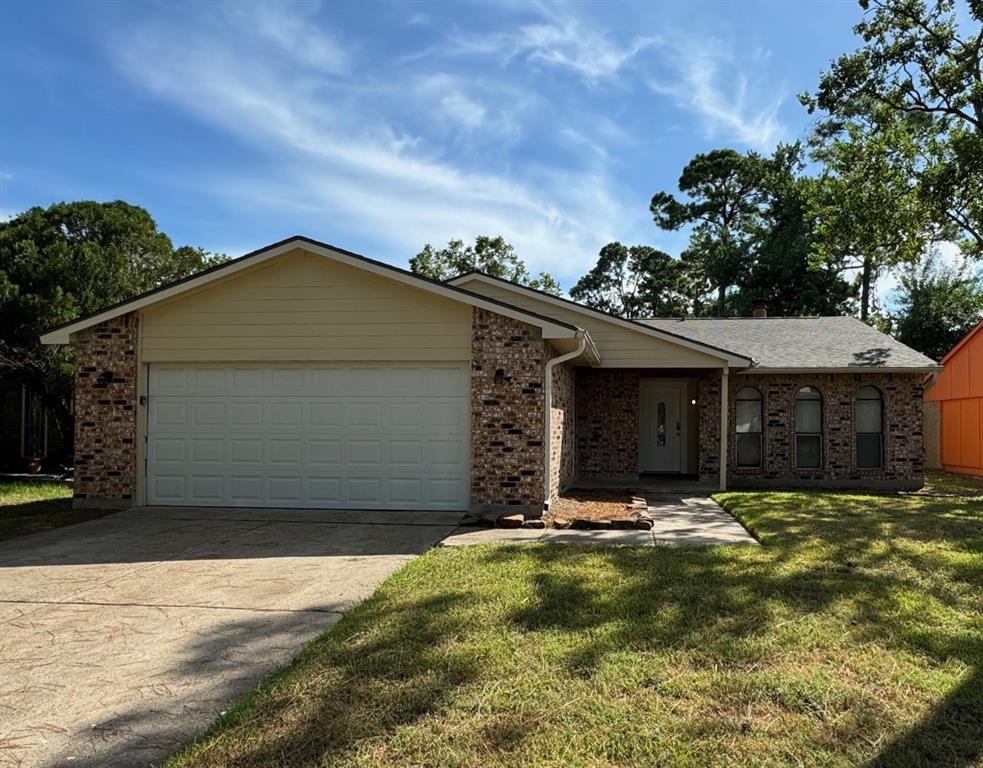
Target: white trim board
551	329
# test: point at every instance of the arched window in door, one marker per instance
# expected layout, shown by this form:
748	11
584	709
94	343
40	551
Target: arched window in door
868	421
808	429
748	427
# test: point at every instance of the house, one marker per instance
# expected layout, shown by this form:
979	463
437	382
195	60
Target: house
304	375
954	409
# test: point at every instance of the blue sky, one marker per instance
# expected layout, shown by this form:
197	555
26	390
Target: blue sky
379	127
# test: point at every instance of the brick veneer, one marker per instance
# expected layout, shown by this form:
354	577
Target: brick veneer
105	413
507	414
562	428
902	457
607	403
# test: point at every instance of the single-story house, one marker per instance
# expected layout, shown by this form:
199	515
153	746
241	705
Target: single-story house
954	409
304	375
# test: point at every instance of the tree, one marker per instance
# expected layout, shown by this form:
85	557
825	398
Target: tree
491	255
783	272
937	306
725	205
70	259
922	66
867	206
632	281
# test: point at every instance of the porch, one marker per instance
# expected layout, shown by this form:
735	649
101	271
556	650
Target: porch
700	430
646	429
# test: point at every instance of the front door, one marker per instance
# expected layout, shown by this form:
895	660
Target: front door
660	427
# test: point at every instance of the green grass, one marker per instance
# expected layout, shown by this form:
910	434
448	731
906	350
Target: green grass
854	636
30	507
943	482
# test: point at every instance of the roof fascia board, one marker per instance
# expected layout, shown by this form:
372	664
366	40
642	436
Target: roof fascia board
732	358
552	329
856	369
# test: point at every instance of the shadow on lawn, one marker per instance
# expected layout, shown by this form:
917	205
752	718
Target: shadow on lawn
394	662
43	515
346	687
869	557
388	668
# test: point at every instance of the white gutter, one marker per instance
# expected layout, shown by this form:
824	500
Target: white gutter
548	411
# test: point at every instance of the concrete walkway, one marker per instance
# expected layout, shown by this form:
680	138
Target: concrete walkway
123	637
679	521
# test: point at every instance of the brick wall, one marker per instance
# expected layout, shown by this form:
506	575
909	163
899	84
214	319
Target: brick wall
903	458
932	431
105	413
507	415
562	428
708	403
606	409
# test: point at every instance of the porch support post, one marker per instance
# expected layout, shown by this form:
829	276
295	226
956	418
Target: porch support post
723	429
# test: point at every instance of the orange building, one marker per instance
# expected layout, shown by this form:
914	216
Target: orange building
957	399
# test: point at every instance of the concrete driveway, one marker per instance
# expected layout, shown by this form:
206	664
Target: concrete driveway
122	638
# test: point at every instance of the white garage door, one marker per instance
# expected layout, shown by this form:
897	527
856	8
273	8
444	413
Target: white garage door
384	437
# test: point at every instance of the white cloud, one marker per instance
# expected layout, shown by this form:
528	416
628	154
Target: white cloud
704	77
295	34
558	40
708	83
340	157
453	103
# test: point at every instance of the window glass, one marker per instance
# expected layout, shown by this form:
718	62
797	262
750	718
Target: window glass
748	427
868	422
869	451
808	429
748	450
748	410
808	451
661	423
808	416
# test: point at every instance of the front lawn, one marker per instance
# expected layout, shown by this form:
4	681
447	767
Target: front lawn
854	636
30	507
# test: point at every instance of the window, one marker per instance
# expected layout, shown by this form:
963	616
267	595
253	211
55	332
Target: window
868	416
808	429
748	427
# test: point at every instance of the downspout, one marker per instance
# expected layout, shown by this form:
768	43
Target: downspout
548	410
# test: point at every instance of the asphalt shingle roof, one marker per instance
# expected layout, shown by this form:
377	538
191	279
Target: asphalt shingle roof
798	342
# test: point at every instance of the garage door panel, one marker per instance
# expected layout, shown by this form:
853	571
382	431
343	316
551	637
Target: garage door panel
362	436
325	451
208	451
245	489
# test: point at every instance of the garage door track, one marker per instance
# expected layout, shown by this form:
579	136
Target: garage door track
123	637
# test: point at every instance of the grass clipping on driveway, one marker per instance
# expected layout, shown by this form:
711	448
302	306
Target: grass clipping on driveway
853	637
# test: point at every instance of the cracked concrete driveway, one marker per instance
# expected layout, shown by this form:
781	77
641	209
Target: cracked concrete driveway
123	637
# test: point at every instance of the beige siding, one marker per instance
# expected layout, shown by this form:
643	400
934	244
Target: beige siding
618	346
303	307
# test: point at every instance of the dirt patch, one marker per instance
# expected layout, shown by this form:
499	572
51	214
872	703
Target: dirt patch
595	505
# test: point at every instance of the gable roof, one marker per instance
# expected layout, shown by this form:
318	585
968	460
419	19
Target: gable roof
723	351
551	328
962	342
803	343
